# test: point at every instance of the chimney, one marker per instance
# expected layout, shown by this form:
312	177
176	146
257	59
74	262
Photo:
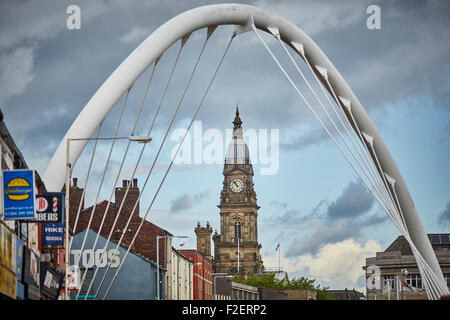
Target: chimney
130	200
74	202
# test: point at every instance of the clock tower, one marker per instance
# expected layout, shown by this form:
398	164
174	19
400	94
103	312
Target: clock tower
236	248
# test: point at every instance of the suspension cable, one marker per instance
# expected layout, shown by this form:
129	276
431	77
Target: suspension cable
86	181
138	161
128	187
171	163
277	36
117	177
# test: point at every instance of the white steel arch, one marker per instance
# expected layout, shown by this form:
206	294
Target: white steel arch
152	48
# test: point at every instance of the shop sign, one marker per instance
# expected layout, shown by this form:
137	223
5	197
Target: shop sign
49	207
99	258
32	268
19	194
7	246
20	290
19	259
53	234
8	282
50	281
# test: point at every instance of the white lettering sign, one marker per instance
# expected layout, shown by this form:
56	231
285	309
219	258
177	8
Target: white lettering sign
99	258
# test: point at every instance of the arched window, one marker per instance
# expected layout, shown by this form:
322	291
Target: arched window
237	229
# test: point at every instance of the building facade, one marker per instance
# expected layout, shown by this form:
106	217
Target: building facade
399	276
23	266
109	220
136	280
202	275
236	248
180	277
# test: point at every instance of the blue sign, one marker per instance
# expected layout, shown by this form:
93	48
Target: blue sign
53	233
19	259
19	194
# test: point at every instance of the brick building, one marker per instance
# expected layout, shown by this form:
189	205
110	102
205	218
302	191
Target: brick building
144	248
202	274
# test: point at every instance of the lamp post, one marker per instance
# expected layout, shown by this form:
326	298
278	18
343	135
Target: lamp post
157	261
219	275
140	139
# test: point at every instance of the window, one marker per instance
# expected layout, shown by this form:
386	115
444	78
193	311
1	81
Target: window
414	280
447	278
435	239
237	229
389	280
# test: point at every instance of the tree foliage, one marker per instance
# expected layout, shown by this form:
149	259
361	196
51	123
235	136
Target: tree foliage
268	280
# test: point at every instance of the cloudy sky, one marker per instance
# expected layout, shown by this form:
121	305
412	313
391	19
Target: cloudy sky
314	205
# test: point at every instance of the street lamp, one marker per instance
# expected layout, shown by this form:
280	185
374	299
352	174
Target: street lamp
157	261
140	139
219	275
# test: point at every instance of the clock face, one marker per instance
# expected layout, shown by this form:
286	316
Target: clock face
236	185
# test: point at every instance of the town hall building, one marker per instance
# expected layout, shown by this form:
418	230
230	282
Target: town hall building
236	248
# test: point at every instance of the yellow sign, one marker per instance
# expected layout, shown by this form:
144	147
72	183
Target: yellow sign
8	282
13	189
6	248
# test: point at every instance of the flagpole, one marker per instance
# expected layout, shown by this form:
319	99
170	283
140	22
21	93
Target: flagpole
279	259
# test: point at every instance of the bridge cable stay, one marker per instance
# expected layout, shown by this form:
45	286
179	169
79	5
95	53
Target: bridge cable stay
158	153
173	158
387	197
318	118
86	180
117	176
146	181
117	214
374	186
370	172
103	177
353	138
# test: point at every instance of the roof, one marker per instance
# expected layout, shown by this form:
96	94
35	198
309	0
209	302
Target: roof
19	160
145	242
437	240
346	294
237	151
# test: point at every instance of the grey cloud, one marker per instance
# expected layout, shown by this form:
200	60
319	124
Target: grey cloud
354	201
182	203
333	231
303	141
344	218
444	216
71	65
186	202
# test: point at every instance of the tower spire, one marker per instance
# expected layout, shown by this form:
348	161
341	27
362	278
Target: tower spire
237	120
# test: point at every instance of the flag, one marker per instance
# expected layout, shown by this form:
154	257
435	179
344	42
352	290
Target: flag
409	287
278	246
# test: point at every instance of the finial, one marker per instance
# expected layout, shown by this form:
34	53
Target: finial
237	120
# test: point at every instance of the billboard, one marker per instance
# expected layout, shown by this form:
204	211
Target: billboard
19	193
49	207
8	279
53	233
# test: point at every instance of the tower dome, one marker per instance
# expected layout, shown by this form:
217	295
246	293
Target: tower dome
237	151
